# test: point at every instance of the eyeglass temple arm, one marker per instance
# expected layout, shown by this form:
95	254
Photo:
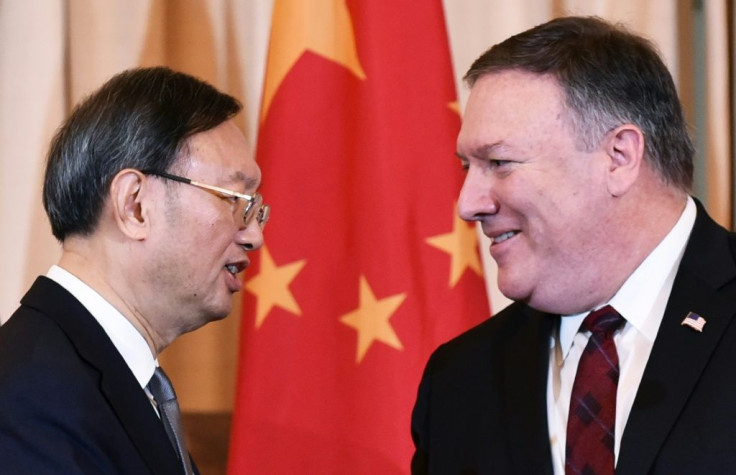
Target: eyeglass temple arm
180	179
188	181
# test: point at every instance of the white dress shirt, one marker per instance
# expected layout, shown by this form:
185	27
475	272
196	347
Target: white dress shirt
129	342
641	301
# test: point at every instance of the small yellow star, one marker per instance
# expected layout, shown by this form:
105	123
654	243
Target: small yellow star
271	286
323	27
462	246
370	319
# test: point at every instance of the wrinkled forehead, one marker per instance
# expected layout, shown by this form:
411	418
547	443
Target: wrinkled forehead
511	104
516	91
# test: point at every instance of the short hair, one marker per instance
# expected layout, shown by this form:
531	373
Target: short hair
609	77
141	118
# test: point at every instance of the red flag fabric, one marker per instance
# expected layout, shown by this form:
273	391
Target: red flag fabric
366	267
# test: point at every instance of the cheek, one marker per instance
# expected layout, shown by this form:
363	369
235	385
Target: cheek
559	201
212	228
216	236
568	238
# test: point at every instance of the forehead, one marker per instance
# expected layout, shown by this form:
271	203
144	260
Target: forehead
221	156
511	107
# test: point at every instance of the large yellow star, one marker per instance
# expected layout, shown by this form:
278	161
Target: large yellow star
370	319
323	27
271	286
462	246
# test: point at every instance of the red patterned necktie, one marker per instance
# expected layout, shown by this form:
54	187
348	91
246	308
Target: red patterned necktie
592	417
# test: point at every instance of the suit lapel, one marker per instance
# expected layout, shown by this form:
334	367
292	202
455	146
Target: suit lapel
526	364
680	353
118	385
141	423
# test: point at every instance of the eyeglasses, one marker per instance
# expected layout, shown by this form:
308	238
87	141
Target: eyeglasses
248	206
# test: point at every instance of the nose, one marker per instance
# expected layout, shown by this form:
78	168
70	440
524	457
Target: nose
477	197
250	237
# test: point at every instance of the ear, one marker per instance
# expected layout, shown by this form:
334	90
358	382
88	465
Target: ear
625	149
126	198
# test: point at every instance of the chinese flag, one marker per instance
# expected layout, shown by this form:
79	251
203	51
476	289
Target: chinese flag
366	267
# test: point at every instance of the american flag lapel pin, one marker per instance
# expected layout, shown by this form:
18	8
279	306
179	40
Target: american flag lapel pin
694	321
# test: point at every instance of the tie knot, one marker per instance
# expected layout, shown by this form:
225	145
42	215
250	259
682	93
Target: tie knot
604	320
161	387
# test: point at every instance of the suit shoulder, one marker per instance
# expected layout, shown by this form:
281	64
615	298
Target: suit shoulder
35	351
492	335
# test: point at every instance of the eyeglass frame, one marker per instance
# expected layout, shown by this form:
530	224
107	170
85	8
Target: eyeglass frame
261	212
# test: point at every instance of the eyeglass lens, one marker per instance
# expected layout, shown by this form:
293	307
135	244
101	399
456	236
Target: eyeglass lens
254	209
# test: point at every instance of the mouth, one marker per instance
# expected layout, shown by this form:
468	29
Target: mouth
503	237
234	268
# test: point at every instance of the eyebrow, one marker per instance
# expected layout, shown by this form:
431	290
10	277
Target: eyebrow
486	151
240	177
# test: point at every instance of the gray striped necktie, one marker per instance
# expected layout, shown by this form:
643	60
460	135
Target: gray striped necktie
168	408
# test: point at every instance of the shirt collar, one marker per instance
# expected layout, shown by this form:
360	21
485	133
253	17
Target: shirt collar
642	298
129	342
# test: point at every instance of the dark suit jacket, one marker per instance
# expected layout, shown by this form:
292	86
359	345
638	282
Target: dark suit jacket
68	401
482	408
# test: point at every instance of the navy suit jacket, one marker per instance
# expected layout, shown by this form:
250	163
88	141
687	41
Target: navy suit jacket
68	401
482	407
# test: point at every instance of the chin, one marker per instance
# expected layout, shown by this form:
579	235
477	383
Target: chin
513	290
220	305
221	313
209	318
215	313
220	316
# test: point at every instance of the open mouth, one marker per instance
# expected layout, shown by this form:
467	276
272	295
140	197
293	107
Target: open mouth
503	237
236	267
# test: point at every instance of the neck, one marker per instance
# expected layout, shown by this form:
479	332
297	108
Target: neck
97	273
643	223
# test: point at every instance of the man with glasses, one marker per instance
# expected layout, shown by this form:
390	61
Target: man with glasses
151	189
